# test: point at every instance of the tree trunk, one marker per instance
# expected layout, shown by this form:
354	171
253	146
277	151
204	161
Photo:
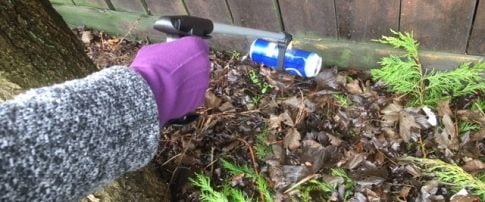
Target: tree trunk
37	48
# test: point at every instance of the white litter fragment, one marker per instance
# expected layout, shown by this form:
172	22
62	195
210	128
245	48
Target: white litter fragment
431	116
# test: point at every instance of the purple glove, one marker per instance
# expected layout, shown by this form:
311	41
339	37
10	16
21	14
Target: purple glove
177	73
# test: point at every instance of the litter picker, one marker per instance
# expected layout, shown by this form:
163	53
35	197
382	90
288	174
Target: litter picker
270	48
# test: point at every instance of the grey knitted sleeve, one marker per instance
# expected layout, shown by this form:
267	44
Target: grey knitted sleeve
60	143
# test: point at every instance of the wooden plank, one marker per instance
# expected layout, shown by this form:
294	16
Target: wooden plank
166	7
255	14
309	17
365	20
365	55
476	45
68	2
215	10
91	3
128	5
439	25
113	22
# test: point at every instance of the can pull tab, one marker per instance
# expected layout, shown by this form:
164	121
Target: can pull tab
282	47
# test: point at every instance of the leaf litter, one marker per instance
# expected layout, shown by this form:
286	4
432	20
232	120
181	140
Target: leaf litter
310	134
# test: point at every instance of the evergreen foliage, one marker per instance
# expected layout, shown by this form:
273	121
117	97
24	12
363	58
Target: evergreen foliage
208	193
261	184
450	174
406	75
262	149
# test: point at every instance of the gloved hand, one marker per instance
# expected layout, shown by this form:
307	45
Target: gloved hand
177	73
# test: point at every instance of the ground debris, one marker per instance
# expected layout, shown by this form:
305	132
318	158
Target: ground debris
339	120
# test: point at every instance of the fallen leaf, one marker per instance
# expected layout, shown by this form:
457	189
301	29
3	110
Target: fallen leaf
444	108
286	119
464	196
353	160
294	173
429	190
297	103
319	156
276	174
354	87
447	138
227	106
478	136
392	108
87	37
279	152
403	194
274	121
211	100
334	140
474	166
292	139
327	78
368	92
406	125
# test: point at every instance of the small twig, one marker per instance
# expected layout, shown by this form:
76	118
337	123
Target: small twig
227	113
212	159
423	148
306	179
255	167
170	159
132	27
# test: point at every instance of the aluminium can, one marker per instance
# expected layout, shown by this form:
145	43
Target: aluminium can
297	62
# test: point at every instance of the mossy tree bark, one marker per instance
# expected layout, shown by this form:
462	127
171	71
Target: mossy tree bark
37	48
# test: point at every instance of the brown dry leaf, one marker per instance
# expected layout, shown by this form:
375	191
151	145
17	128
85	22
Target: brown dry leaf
294	173
392	108
448	138
292	139
368	92
478	136
319	156
353	160
286	119
334	140
297	103
327	78
407	124
475	117
279	152
211	100
280	82
474	166
354	87
444	108
227	106
403	194
450	129
276	174
274	121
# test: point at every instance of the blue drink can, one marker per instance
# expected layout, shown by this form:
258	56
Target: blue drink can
297	62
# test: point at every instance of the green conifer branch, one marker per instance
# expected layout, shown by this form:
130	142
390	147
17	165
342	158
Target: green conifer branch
405	74
449	174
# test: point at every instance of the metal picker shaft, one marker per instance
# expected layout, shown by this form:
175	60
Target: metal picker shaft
244	31
182	25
